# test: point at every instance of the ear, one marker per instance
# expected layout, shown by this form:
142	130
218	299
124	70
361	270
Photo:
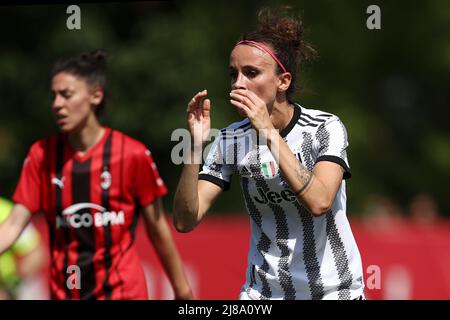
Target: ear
97	95
284	81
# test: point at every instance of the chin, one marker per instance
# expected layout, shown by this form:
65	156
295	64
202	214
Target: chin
65	128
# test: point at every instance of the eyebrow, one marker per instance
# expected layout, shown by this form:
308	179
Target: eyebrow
65	90
246	66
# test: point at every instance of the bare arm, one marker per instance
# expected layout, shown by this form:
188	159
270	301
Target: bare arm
13	226
159	233
193	198
32	263
317	189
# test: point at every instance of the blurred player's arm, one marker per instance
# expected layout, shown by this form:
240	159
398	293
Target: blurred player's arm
160	235
191	203
12	227
29	252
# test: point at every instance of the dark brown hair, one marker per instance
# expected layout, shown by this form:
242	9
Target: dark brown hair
284	33
89	66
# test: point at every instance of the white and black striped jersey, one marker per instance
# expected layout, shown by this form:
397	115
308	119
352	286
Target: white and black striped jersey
293	255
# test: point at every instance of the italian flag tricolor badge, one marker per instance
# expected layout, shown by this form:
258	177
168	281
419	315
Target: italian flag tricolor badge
268	169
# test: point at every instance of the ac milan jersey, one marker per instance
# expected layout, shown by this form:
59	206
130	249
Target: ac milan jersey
293	254
91	203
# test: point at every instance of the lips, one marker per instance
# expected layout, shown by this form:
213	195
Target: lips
61	119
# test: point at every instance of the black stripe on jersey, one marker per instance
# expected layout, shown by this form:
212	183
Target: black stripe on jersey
137	210
81	187
106	165
312	118
310	259
309	243
339	161
324	115
282	234
308	121
340	257
263	244
58	211
234	165
243	127
252	276
308	124
121	196
306	150
227	134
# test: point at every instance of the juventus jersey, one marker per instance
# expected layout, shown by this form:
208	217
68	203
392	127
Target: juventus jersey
91	203
293	255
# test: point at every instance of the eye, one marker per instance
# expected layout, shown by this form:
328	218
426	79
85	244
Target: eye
251	73
66	94
233	74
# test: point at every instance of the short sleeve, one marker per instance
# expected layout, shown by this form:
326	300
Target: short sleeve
215	169
29	188
332	143
148	183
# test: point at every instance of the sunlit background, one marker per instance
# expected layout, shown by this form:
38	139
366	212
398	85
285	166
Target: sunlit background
390	87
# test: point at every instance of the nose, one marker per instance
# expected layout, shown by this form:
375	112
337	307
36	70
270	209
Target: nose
239	83
57	102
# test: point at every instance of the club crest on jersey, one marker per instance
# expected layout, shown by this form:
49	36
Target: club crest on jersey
106	179
268	169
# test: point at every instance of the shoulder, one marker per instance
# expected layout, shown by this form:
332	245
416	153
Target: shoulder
236	129
239	125
316	119
132	147
39	148
315	115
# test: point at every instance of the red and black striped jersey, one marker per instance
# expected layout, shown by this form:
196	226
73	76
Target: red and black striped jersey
91	203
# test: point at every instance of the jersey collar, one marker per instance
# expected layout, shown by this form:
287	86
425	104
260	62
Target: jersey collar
291	124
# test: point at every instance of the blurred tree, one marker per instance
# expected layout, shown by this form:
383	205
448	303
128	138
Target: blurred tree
389	86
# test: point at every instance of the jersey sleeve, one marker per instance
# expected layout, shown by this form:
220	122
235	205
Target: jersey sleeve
215	168
332	143
148	183
29	188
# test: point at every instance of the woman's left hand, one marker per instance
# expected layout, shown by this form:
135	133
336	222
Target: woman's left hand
249	104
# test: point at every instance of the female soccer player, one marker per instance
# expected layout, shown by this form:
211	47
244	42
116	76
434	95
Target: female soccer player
91	182
292	165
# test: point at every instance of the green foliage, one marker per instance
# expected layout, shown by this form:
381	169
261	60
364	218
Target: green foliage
389	86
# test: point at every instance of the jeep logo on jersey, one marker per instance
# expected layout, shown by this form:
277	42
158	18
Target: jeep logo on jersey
106	179
79	215
275	197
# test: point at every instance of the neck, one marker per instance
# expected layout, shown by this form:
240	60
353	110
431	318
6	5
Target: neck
84	139
281	114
